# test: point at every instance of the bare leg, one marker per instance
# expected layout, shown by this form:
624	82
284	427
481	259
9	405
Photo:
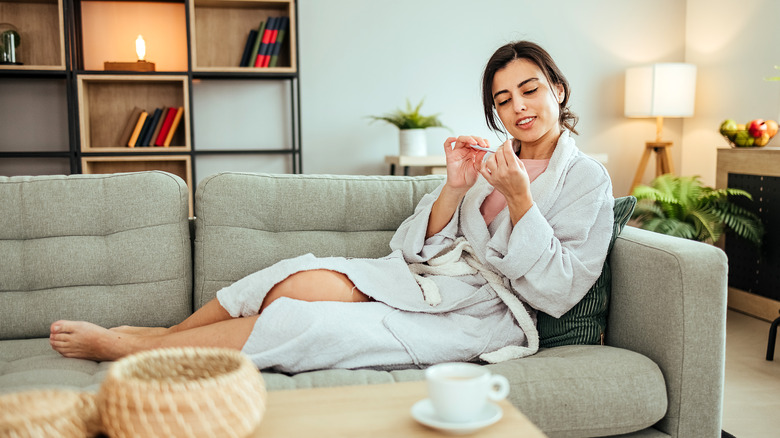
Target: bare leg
316	285
211	325
85	340
210	313
144	331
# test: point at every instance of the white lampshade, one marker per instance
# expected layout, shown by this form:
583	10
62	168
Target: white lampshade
665	90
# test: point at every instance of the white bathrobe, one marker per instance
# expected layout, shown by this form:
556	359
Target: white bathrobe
547	262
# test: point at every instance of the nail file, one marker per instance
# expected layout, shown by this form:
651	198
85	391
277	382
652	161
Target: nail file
480	148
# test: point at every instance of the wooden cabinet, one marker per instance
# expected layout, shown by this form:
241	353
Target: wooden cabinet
754	277
64	44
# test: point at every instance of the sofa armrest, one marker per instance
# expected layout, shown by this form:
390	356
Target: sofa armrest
669	303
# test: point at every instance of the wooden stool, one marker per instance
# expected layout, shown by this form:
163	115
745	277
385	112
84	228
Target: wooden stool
663	161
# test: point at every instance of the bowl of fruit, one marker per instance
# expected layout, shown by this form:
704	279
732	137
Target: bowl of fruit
756	133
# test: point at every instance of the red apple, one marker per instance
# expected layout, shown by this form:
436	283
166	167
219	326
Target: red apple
756	127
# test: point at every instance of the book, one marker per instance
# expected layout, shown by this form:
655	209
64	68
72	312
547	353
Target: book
124	137
174	125
250	42
279	40
271	42
137	130
152	125
269	27
256	46
156	133
144	129
169	115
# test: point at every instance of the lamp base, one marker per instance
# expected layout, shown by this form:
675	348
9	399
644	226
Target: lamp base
129	66
663	161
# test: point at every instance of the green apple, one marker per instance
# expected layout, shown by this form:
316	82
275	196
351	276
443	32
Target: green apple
728	129
743	139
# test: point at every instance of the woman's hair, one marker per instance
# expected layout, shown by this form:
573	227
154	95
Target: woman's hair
534	53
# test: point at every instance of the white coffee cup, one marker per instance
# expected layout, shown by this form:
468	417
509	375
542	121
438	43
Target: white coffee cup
460	391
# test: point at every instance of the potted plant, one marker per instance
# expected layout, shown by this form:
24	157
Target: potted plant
412	127
683	207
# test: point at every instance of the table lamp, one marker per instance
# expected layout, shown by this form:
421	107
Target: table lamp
659	90
140	65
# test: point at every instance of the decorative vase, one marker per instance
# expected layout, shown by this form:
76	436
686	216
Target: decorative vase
9	43
412	142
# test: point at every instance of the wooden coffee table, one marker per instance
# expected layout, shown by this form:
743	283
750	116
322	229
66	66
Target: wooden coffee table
373	411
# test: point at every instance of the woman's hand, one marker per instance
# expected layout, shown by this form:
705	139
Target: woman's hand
463	162
507	174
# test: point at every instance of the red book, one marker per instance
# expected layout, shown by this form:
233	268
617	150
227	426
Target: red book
174	125
271	43
266	42
165	127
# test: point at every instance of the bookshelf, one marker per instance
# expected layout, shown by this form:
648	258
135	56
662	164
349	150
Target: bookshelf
197	46
222	17
106	102
41	27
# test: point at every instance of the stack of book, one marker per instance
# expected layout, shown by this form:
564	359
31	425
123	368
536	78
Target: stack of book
155	129
263	44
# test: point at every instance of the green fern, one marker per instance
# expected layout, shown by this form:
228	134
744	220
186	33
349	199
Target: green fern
683	207
410	118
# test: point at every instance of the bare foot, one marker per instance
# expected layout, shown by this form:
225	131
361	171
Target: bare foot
141	331
84	340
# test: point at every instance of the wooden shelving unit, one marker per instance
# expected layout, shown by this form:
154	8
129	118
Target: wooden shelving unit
217	47
42	33
107	101
100	103
179	165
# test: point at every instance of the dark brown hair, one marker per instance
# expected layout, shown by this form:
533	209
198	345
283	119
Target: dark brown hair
534	53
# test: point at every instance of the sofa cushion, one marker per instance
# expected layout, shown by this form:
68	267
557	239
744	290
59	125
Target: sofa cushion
246	222
586	322
109	249
27	364
566	391
579	390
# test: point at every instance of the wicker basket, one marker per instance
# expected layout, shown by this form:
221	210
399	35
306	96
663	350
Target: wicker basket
48	413
182	392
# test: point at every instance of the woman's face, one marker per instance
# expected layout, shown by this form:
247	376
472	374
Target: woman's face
526	103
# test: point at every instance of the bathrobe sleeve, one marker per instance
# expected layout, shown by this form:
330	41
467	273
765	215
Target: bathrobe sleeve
410	236
552	259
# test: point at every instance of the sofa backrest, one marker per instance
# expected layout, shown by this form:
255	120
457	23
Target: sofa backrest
246	222
109	249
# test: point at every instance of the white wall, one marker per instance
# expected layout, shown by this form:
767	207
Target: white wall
735	46
359	58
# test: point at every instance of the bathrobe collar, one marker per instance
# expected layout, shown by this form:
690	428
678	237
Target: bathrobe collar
545	189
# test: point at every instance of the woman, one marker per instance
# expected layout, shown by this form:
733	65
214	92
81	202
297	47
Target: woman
523	229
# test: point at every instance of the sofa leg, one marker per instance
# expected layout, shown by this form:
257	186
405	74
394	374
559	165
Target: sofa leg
770	348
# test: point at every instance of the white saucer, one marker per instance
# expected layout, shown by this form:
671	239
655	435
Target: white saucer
423	412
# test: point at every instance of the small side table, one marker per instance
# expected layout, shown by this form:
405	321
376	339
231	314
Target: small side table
770	348
432	164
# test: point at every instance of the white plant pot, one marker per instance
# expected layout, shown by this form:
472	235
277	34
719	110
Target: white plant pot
412	142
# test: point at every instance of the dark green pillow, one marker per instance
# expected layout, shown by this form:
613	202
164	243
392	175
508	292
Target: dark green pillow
586	322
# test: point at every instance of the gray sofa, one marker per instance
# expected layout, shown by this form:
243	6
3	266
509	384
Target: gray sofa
120	249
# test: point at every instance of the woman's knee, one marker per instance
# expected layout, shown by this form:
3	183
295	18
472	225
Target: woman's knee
316	285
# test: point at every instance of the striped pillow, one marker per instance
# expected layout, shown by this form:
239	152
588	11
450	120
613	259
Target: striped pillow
586	322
